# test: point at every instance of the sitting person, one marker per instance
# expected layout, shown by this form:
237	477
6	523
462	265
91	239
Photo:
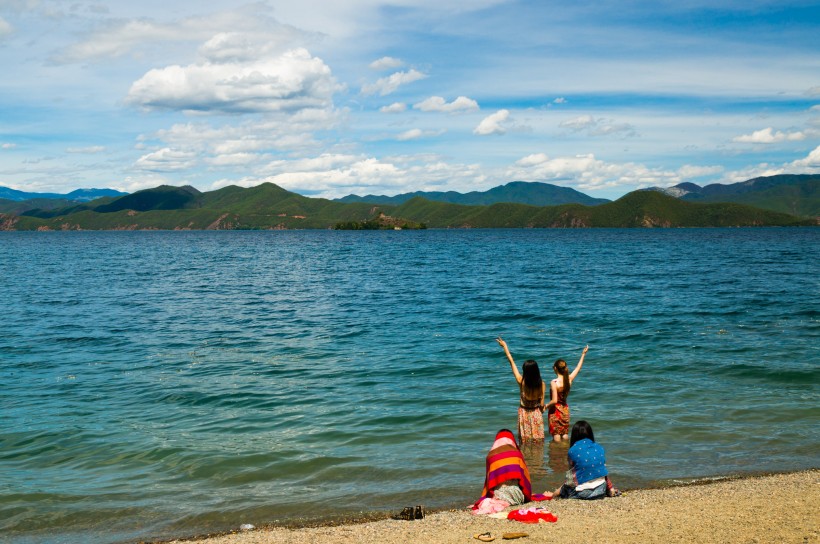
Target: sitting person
587	477
506	477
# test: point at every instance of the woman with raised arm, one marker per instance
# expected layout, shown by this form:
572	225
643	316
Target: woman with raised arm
532	390
557	408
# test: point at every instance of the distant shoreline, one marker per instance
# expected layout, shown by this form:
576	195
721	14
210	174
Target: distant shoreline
779	507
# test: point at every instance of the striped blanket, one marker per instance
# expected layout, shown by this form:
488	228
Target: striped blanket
504	463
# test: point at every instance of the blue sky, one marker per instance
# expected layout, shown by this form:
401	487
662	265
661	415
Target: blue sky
329	98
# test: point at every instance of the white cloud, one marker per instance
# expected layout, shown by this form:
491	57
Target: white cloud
598	127
166	160
292	81
814	91
815	108
386	63
5	28
437	103
769	136
235	159
416	133
812	161
248	144
86	150
412	134
492	124
578	123
238	47
336	175
560	100
799	166
589	173
250	29
8	146
395	107
391	83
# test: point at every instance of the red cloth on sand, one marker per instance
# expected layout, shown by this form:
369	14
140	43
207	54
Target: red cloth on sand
532	515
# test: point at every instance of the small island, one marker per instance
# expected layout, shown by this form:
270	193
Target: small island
382	222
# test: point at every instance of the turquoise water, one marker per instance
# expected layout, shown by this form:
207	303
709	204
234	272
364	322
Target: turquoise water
160	384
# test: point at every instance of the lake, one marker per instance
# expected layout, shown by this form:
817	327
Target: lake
161	384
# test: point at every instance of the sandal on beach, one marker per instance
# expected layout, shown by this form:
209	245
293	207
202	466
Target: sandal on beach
484	537
511	536
613	492
408	514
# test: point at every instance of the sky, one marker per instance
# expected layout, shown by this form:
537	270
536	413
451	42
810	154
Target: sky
328	98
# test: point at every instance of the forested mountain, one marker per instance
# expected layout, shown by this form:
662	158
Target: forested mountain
268	206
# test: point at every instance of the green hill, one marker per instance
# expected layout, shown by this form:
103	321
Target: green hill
265	206
268	206
636	209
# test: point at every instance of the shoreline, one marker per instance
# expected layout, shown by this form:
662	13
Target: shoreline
778	507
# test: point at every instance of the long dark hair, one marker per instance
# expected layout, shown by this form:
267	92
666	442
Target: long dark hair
560	367
581	430
531	379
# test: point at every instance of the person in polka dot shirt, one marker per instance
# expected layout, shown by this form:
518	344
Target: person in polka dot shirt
587	477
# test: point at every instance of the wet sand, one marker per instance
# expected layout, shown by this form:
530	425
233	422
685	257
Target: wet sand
776	508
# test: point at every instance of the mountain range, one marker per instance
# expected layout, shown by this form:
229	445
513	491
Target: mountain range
79	195
793	194
521	192
268	206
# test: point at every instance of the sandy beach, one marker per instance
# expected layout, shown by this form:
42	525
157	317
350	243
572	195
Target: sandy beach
776	508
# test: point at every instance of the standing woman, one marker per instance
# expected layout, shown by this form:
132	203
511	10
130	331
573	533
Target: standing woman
557	408
531	401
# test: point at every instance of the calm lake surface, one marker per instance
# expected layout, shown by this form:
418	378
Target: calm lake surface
159	384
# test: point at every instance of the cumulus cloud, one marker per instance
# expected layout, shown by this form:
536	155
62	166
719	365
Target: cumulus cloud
812	161
386	63
493	124
438	104
388	85
166	160
560	100
589	173
8	146
395	107
290	82
86	150
598	127
334	175
769	136
249	144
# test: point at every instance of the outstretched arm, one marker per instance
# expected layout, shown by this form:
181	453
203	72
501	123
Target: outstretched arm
579	365
503	344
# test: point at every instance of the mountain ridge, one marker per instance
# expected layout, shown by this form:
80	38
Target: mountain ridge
534	193
77	195
795	194
268	206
